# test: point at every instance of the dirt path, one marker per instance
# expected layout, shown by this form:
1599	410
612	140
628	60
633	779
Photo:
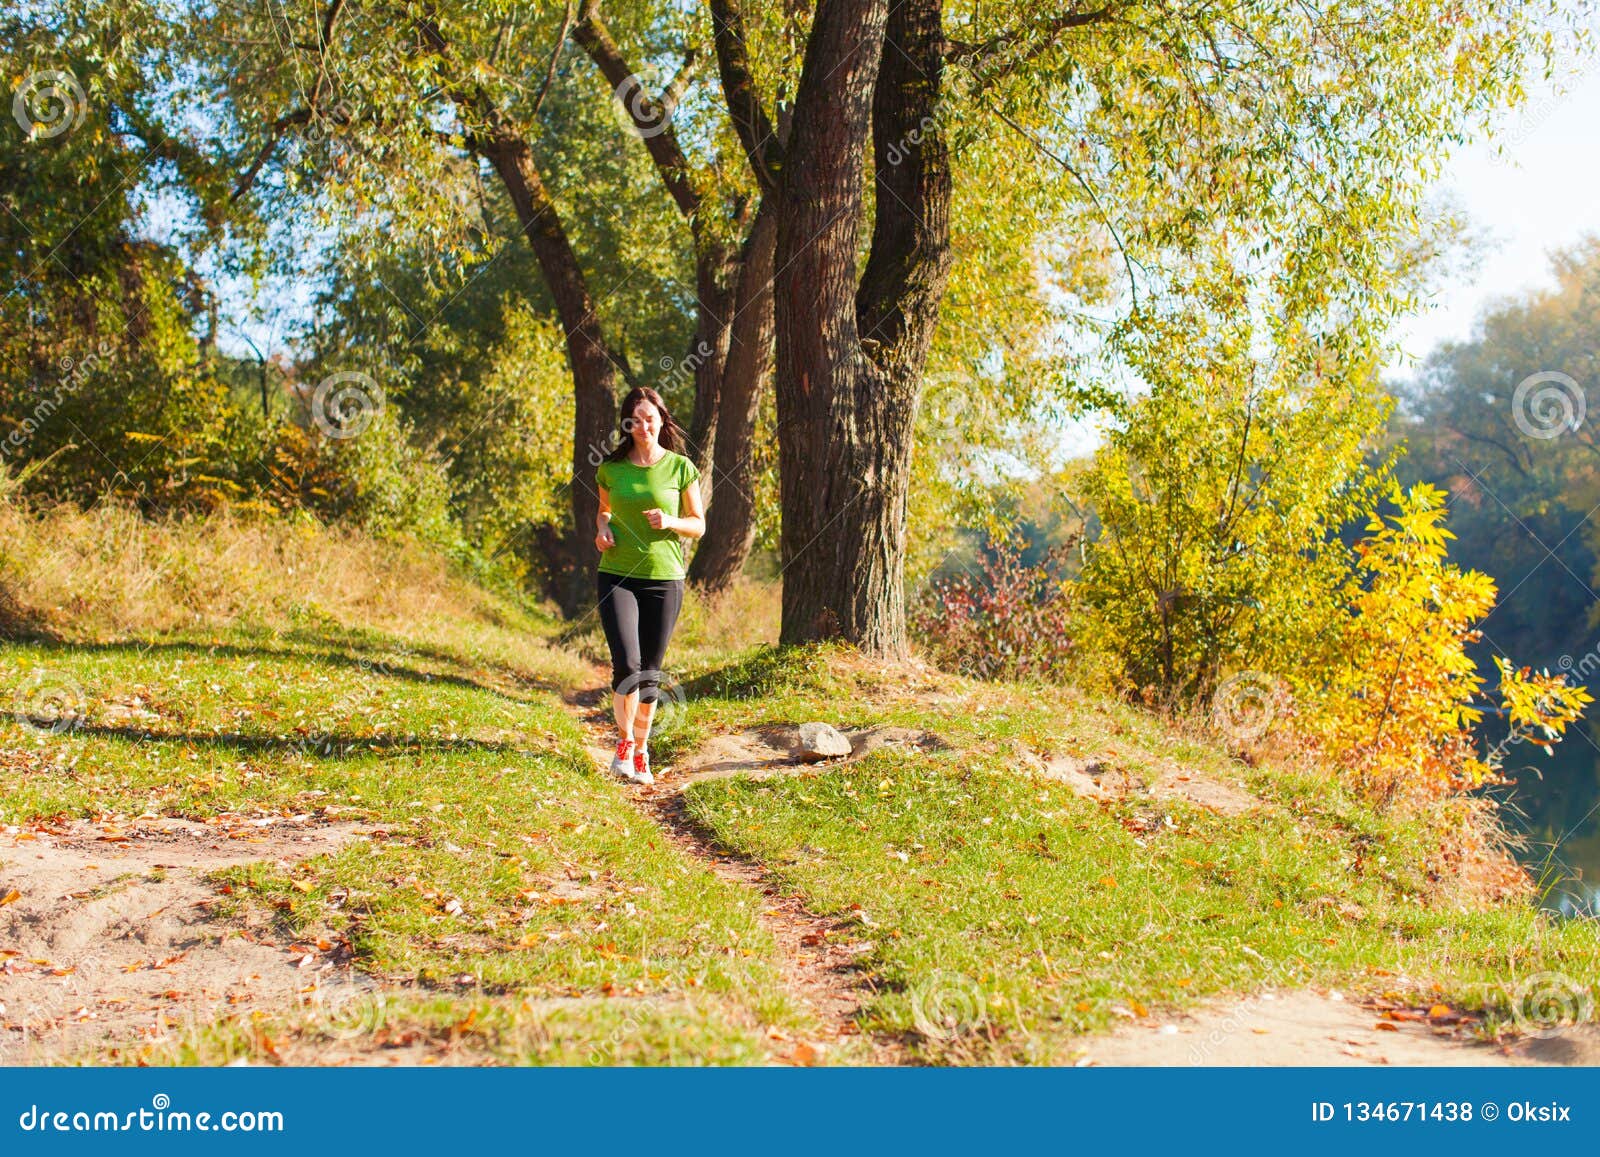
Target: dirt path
109	935
816	954
1322	1027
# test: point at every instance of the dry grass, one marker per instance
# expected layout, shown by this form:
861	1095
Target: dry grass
110	574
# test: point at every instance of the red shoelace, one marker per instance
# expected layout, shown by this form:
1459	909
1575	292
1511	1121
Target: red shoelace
622	748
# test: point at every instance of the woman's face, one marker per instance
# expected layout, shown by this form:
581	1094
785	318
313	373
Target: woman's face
646	423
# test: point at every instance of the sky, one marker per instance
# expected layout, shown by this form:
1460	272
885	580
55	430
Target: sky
1542	194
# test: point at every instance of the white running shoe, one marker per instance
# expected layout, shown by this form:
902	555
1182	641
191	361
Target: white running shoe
641	766
621	762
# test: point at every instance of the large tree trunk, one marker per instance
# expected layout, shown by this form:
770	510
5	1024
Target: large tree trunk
570	554
849	362
720	556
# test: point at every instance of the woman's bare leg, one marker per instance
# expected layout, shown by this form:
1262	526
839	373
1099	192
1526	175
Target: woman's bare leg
641	724
625	708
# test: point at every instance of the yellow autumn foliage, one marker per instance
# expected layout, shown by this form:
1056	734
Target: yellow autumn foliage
1392	699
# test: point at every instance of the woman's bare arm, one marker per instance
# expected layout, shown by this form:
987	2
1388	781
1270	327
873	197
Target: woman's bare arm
603	537
691	525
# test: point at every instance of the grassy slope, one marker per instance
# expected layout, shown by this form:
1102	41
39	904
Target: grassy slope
1006	914
1009	914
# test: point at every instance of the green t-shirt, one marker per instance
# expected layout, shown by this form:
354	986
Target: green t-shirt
640	551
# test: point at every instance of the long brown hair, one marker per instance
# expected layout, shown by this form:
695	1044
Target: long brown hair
671	437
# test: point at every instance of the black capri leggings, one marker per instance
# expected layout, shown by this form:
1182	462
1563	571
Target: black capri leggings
638	615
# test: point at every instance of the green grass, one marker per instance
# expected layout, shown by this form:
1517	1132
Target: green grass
1008	916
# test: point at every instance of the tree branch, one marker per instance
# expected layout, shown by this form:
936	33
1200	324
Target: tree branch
750	121
652	118
555	56
968	54
268	147
300	116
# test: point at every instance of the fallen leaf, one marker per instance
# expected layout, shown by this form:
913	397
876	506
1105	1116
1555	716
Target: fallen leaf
1387	1026
10	897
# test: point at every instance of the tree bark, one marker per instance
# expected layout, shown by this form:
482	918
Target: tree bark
570	554
849	358
720	556
715	270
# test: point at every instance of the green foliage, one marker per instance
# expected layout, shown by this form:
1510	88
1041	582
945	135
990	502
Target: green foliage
1220	493
1520	460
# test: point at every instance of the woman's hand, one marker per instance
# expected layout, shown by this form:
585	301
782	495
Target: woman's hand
605	540
659	519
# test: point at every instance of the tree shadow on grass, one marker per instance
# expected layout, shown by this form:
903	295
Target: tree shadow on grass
383	665
322	745
767	671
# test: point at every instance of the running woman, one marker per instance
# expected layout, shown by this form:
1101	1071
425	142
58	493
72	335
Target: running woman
649	496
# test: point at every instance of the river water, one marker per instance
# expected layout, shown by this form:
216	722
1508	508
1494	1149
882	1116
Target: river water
1555	804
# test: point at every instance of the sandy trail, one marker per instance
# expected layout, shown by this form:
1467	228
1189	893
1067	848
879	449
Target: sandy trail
107	933
1321	1027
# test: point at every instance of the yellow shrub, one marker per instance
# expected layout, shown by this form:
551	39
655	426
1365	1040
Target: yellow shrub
1392	699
